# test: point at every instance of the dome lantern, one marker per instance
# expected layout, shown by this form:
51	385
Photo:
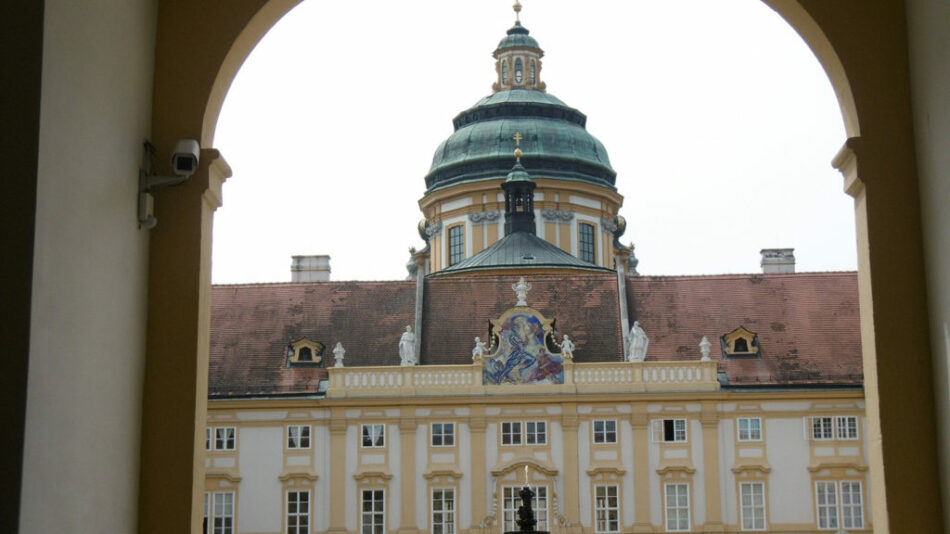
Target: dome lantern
518	59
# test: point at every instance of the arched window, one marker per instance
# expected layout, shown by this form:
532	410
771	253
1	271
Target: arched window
741	345
504	72
305	355
519	71
533	73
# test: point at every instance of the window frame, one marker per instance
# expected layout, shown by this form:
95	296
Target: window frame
511	433
756	515
530	435
749	431
455	250
677	506
451	513
827	431
846	520
297	514
604	507
225	440
832	521
373	444
442	434
600	437
543	522
301	437
582	250
842	423
374	514
227	527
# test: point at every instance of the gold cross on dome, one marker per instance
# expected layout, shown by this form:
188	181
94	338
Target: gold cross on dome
517	139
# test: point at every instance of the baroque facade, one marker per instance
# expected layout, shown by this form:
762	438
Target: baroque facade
525	350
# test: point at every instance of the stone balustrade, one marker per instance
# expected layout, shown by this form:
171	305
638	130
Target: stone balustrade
604	377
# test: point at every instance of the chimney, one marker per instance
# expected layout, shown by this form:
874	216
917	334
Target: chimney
778	260
310	268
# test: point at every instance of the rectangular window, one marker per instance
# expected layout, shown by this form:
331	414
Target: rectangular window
605	431
443	511
222	513
373	515
456	244
826	497
752	505
847	426
586	241
443	434
204	525
822	428
677	507
536	433
511	501
207	438
511	433
668	430
224	437
852	505
374	435
298	512
606	509
298	437
750	428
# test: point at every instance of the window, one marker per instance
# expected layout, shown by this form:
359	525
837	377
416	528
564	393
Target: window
504	72
852	505
222	512
511	501
741	345
298	512
511	433
586	241
298	437
822	428
224	437
519	70
669	430
456	244
750	428
204	524
374	435
443	434
373	516
847	427
536	433
606	509
305	355
752	505
605	431
826	497
443	511
207	438
677	507
533	73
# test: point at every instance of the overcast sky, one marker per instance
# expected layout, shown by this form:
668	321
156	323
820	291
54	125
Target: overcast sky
718	119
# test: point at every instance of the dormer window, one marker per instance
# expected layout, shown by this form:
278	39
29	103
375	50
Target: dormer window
305	352
740	343
519	71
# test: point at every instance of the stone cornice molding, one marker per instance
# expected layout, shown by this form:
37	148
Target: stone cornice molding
605	470
837	465
846	162
233	478
764	469
684	469
519	463
297	475
429	475
367	475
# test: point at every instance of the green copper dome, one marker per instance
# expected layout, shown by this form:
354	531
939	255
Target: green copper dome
554	141
517	37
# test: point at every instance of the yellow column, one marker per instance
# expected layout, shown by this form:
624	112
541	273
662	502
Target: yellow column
479	470
407	439
570	501
710	421
338	472
641	474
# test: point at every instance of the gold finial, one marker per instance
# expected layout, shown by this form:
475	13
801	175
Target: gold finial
517	137
517	8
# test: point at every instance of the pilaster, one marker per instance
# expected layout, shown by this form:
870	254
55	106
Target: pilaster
709	418
338	453
407	486
476	425
641	481
570	501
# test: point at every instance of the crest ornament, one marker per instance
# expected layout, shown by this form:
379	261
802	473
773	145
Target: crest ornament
521	290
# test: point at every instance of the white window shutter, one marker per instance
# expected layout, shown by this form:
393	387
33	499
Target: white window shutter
656	430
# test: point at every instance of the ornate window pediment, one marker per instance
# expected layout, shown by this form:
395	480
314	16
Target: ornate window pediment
740	343
305	352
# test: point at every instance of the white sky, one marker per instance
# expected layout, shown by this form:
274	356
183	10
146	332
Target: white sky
718	119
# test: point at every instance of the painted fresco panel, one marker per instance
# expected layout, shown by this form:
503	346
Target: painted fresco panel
522	356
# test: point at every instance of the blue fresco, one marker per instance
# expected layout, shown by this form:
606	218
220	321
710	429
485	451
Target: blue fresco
522	357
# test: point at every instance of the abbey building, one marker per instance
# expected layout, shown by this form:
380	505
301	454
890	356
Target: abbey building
524	349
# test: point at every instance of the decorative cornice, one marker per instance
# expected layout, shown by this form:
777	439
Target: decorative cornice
429	475
561	216
765	469
372	474
297	475
608	225
837	465
223	475
593	471
484	216
519	463
433	229
676	469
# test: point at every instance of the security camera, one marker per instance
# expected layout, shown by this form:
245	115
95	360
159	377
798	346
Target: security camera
185	157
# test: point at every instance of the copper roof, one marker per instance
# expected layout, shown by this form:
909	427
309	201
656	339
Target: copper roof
807	324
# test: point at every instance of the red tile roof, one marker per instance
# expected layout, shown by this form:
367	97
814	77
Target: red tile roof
807	324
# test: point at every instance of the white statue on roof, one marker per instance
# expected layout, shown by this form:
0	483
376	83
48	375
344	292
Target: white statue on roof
567	348
521	289
704	346
479	351
638	342
407	347
338	352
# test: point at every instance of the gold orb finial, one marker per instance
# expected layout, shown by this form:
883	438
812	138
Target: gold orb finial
517	137
518	155
517	8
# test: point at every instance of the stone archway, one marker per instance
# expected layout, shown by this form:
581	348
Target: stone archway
199	49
